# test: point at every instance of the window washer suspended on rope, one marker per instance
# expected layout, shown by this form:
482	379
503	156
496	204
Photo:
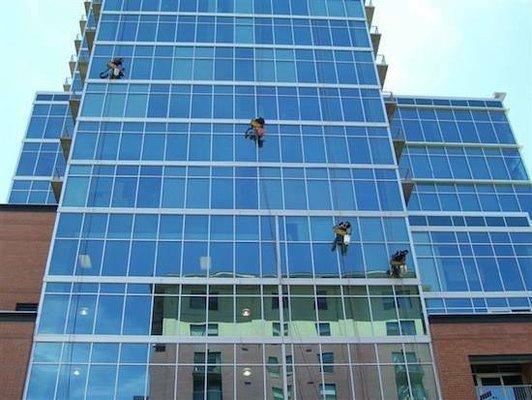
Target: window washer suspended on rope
114	70
343	236
256	130
398	266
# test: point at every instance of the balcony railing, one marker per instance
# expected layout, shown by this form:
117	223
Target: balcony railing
90	34
57	183
399	142
77	43
96	9
67	85
522	392
370	11
72	64
87	4
382	68
66	143
74	101
82	23
375	38
391	104
407	183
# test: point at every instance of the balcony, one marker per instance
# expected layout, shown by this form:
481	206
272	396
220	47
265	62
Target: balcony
382	68
391	105
96	9
67	85
87	5
74	101
72	64
83	66
521	392
399	141
90	34
375	39
82	23
370	12
66	143
407	183
77	43
57	185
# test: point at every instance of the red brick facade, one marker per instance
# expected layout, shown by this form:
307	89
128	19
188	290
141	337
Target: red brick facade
15	346
25	234
24	243
455	342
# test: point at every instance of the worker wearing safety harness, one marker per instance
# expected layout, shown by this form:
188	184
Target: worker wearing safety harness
398	266
114	70
343	236
256	130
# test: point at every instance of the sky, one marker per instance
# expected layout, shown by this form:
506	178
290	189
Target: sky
434	47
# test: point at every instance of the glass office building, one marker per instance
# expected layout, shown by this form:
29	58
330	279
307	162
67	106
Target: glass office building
189	263
41	157
471	205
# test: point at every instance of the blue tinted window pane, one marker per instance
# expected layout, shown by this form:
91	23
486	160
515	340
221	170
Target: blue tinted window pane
101	381
173	193
510	274
247	259
299	260
366	196
116	258
325	261
76	192
63	257
109	315
42	382
489	275
198	193
142	259
195	259
81	314
120	226
137	315
53	314
124	192
452	274
168	259
246	194
131	381
149	191
69	225
295	194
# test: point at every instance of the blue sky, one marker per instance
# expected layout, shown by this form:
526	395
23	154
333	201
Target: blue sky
434	47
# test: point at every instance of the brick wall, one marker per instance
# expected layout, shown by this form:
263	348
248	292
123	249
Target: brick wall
25	234
15	347
24	243
454	342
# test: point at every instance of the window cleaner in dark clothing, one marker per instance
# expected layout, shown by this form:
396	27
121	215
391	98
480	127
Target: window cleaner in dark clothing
114	70
398	266
343	236
256	130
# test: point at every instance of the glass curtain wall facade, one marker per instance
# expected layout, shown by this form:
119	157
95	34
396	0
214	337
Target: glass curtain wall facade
189	263
471	206
41	157
47	141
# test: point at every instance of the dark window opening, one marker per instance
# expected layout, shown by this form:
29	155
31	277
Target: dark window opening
27	307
